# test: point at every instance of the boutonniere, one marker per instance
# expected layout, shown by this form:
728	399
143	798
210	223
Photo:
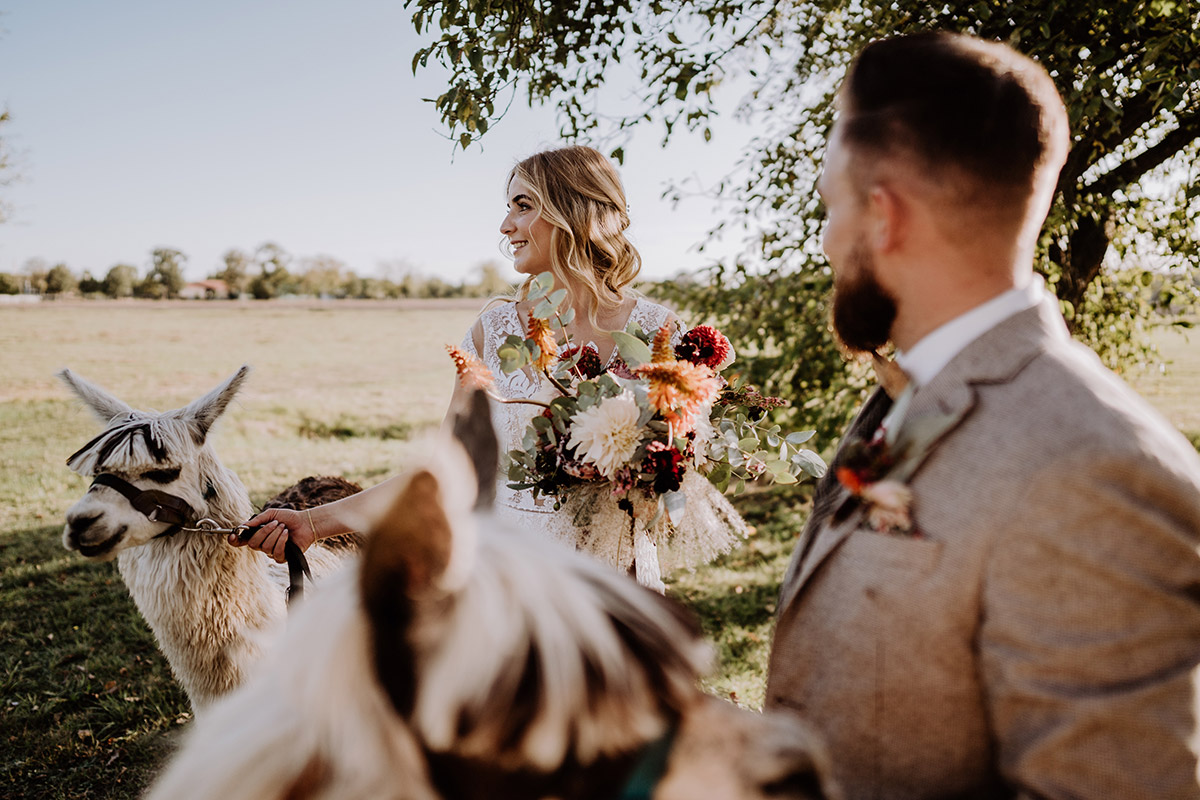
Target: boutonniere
876	471
863	469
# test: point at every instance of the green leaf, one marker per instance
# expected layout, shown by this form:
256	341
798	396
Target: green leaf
632	349
810	463
540	286
799	437
675	502
513	357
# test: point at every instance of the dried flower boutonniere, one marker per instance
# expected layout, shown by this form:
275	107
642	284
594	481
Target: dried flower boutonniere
876	471
862	468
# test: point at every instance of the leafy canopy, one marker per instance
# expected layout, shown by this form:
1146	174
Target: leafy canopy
1128	71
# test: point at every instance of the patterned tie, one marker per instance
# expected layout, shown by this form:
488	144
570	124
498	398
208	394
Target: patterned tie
828	493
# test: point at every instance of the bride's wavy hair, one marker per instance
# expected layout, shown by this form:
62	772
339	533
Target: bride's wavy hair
577	190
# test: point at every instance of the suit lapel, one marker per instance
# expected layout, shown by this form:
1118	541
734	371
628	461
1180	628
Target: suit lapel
936	410
829	494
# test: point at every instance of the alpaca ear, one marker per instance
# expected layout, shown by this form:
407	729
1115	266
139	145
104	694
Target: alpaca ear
205	411
409	551
473	428
104	405
411	545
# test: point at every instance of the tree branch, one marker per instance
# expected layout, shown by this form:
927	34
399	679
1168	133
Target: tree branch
1126	173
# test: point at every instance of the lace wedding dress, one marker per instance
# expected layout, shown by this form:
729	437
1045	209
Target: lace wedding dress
589	518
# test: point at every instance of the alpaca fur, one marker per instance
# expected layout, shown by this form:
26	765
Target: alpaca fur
211	607
464	660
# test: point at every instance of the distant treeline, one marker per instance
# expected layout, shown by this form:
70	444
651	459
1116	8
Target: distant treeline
266	273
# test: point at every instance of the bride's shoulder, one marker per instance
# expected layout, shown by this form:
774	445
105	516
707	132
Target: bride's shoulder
498	313
650	314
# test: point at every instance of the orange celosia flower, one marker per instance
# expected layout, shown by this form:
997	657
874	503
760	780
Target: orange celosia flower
678	390
543	337
472	373
663	352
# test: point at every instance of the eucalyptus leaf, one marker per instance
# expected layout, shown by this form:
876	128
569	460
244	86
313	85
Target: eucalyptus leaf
675	502
810	462
632	349
512	357
799	437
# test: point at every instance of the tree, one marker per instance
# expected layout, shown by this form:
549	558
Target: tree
1128	71
322	276
273	279
166	269
10	284
120	281
491	281
60	280
7	172
236	273
89	285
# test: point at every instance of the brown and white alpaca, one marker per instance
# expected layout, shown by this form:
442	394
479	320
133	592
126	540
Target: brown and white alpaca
212	607
465	661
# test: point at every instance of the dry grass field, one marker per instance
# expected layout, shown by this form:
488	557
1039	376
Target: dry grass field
89	707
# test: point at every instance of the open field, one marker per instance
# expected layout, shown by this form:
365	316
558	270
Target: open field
89	708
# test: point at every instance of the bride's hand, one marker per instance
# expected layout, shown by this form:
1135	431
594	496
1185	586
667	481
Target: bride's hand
278	526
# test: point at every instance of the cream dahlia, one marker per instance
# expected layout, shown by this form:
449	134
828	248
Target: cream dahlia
607	434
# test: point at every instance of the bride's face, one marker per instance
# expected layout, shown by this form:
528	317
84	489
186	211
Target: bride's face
528	234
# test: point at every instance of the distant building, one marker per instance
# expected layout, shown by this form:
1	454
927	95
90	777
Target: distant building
211	289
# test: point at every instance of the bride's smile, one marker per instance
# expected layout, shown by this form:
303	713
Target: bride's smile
523	226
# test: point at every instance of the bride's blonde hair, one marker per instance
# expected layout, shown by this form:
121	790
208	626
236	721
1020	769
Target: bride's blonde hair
577	190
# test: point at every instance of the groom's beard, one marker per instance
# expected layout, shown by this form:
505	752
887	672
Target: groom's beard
863	311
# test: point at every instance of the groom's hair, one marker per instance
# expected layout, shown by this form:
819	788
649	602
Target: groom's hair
962	111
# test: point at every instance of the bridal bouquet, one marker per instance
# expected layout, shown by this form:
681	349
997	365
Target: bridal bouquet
655	412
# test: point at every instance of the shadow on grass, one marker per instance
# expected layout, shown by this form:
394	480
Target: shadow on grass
89	705
735	596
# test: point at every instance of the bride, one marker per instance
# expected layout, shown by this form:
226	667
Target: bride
566	216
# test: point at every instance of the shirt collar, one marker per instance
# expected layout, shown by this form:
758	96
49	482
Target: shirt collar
924	360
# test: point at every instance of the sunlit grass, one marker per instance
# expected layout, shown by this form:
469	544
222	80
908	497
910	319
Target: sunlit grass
89	706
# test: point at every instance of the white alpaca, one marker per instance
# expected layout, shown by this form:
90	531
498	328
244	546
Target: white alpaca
464	660
212	607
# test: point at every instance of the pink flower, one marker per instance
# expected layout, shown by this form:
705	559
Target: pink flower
888	504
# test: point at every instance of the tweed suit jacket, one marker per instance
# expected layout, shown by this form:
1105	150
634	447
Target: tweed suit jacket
1040	638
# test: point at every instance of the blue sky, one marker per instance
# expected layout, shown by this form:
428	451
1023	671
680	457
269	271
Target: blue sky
206	126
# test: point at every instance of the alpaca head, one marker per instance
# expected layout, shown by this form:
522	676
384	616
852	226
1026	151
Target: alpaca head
154	452
500	648
464	659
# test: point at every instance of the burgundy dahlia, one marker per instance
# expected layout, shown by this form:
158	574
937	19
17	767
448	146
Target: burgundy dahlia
589	362
705	345
665	463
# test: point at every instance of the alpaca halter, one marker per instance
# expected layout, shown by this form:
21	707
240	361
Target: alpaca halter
154	505
170	510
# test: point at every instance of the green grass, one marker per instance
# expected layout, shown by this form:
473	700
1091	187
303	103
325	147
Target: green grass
89	708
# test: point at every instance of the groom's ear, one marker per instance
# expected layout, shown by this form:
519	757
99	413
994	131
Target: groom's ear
887	214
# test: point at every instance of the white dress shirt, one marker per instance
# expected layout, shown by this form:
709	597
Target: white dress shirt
938	348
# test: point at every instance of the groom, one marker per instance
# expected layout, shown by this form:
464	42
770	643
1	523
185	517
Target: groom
1012	608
